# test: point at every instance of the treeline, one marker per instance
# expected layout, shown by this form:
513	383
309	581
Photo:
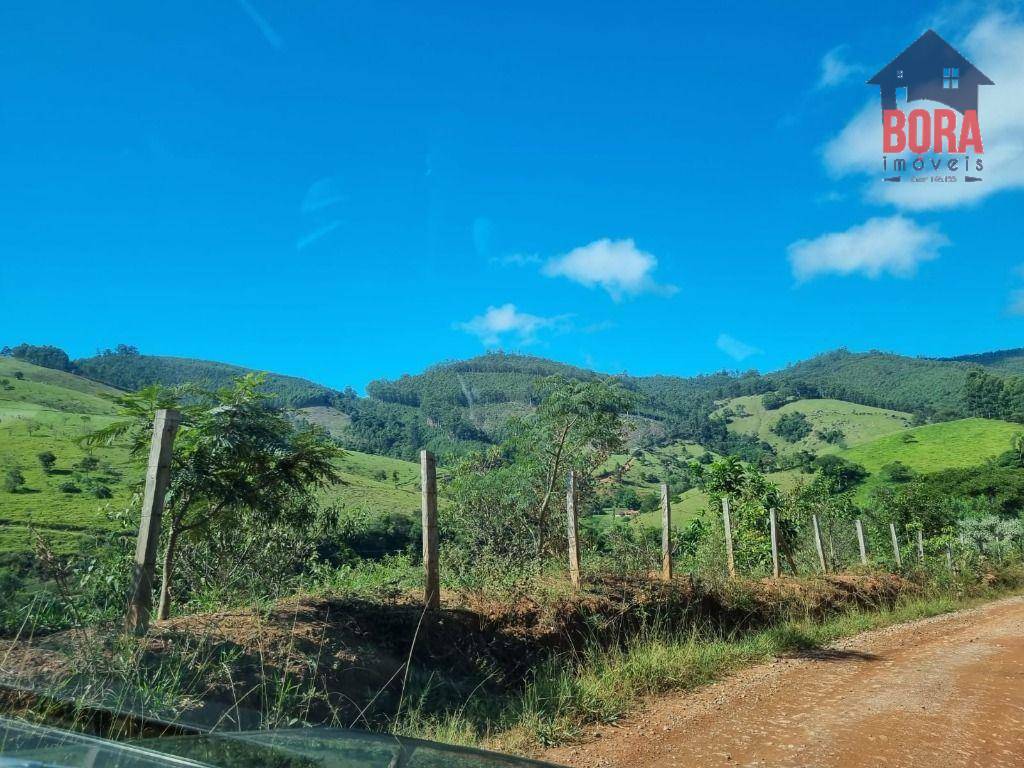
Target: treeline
994	397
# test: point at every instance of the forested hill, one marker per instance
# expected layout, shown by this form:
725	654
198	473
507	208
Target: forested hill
454	406
931	387
1007	360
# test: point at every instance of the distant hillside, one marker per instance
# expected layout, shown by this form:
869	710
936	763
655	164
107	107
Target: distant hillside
912	384
127	369
458	404
455	406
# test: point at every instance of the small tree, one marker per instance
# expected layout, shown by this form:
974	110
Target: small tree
236	460
47	460
14	481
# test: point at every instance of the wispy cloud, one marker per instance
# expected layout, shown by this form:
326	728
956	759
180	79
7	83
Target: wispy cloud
322	193
316	234
836	70
893	245
268	32
1016	306
517	259
617	266
499	324
993	43
734	348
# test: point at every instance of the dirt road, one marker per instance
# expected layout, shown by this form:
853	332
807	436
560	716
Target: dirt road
946	691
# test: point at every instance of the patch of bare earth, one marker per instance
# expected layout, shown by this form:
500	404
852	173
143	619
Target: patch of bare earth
946	691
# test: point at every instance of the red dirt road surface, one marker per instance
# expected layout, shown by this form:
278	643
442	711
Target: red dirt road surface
945	691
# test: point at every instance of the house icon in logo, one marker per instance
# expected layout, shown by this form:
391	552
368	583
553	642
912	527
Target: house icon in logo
931	69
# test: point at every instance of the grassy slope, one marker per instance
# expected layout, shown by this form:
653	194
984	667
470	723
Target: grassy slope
931	448
364	490
947	445
859	423
50	410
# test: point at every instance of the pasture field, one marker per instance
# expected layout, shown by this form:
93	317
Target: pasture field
46	410
858	423
934	447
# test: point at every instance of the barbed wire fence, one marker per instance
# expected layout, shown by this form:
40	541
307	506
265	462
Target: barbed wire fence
766	541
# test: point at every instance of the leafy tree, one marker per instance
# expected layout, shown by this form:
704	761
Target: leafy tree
505	498
792	427
236	460
831	435
842	473
47	460
772	401
896	472
14	480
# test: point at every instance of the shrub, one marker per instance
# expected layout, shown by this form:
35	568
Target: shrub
47	460
773	400
792	427
69	487
831	435
14	481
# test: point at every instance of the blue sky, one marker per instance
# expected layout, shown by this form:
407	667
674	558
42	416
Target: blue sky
353	190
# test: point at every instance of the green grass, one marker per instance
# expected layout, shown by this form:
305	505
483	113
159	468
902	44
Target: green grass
51	389
859	423
49	410
63	518
934	447
369	485
948	445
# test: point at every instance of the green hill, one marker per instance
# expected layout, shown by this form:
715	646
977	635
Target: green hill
128	370
856	423
934	447
911	384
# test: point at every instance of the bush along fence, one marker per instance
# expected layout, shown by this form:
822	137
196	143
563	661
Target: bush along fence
842	542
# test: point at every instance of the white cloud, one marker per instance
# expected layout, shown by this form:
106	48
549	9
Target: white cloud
507	322
835	70
895	245
618	266
735	348
994	44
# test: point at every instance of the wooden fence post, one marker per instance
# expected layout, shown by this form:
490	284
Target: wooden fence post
818	544
774	525
158	478
920	545
666	534
896	546
728	536
860	543
573	530
428	488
